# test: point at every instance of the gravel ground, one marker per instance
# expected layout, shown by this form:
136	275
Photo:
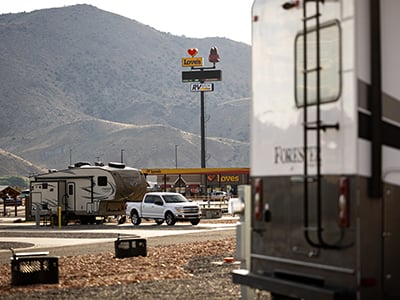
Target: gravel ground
189	267
207	281
196	270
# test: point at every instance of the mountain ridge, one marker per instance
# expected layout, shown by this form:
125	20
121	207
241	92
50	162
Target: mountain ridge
69	76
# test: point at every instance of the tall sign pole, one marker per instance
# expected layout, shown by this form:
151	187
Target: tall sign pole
201	77
203	131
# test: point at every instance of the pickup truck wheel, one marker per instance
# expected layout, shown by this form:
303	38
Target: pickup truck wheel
170	219
195	222
159	221
135	218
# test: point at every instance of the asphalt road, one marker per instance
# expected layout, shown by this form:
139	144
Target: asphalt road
75	240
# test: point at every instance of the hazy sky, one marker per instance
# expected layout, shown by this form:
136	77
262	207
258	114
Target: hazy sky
222	18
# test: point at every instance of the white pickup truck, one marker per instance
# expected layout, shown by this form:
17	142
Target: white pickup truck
160	206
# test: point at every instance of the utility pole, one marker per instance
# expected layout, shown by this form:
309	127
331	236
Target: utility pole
122	155
176	156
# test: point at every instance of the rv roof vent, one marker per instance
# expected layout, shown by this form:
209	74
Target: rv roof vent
82	163
116	165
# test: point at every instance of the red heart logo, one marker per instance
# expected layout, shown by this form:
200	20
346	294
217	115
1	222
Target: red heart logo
192	51
211	177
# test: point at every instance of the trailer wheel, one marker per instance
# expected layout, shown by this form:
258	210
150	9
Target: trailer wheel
136	220
64	219
281	297
122	220
170	219
159	221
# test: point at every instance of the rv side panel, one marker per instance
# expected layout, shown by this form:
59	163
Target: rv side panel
325	153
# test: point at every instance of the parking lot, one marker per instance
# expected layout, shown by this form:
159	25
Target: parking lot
27	236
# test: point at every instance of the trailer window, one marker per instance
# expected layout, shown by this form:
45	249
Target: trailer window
70	189
102	180
330	61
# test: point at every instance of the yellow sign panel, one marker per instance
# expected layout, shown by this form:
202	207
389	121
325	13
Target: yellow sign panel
192	62
196	171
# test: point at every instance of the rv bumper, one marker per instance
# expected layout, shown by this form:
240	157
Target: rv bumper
288	288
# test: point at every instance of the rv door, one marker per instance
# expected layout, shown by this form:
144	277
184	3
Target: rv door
70	201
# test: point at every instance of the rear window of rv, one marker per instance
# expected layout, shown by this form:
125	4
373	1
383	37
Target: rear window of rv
307	64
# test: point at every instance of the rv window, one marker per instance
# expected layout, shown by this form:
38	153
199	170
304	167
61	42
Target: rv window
102	181
330	61
70	189
44	185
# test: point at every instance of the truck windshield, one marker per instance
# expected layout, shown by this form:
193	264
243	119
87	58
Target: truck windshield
174	198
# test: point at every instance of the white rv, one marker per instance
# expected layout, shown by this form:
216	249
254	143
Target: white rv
85	192
324	214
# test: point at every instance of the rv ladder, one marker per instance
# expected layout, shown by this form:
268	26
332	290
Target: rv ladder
315	126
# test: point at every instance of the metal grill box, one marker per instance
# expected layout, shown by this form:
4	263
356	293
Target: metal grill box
33	267
128	247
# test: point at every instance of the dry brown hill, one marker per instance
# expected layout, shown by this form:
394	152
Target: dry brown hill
78	80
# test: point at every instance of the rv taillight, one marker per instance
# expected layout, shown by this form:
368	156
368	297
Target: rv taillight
258	199
343	203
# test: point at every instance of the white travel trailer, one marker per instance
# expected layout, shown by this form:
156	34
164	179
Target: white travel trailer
85	192
324	220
